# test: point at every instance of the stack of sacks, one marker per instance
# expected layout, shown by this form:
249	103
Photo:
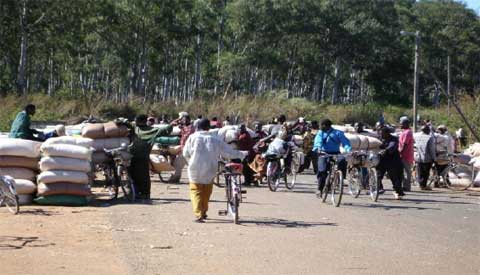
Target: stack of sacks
176	131
65	165
230	133
19	159
105	136
363	142
473	150
160	163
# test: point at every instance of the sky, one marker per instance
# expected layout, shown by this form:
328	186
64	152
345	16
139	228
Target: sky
473	4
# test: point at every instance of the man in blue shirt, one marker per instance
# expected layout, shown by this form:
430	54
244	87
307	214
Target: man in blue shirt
328	140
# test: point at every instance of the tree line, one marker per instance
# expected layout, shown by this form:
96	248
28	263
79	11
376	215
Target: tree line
333	51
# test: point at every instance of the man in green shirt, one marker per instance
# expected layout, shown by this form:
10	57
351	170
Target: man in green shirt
142	142
21	125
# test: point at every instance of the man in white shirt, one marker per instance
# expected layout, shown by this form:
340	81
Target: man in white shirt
202	151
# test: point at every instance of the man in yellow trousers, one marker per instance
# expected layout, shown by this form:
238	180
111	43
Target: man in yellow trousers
202	151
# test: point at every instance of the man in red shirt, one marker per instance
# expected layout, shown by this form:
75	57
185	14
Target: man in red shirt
405	147
246	143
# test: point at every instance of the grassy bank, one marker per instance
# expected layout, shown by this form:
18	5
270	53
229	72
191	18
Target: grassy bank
247	108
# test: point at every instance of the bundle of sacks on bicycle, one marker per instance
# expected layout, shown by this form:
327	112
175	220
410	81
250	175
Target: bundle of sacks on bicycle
471	156
165	149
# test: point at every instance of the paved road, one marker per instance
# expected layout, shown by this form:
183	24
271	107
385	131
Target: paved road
286	232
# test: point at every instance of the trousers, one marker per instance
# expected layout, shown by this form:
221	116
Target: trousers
407	169
423	172
200	196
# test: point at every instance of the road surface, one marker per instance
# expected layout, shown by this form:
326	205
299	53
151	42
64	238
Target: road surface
286	232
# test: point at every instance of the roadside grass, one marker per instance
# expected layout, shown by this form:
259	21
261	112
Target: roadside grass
247	108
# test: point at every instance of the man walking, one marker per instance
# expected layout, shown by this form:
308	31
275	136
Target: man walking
425	156
405	147
390	162
202	151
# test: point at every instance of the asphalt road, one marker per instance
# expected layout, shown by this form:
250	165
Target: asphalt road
286	232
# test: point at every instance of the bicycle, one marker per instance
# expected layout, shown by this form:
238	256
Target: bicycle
334	181
443	179
8	194
358	180
116	173
277	169
233	190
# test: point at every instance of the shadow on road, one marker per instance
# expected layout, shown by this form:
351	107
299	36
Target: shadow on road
387	207
14	242
275	223
39	212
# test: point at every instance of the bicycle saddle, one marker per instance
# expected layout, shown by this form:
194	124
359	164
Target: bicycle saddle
235	167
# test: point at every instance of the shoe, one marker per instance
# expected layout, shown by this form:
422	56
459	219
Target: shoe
204	216
174	180
407	189
397	196
425	188
318	194
381	191
199	220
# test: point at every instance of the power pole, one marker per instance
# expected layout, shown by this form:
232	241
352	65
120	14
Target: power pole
448	84
416	79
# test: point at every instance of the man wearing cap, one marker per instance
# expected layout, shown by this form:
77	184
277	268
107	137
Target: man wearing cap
405	147
425	156
202	151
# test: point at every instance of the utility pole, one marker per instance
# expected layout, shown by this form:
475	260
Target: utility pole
416	74
415	80
448	84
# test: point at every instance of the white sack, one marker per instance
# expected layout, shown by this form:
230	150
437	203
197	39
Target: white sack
20	147
25	187
63	176
68	164
109	143
67	151
18	173
84	142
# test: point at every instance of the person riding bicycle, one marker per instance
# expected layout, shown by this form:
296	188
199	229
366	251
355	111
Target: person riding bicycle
328	140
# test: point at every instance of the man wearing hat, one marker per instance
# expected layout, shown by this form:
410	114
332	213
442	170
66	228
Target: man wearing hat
405	147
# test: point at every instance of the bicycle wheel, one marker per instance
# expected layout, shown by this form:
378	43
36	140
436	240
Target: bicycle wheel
373	184
273	175
458	177
354	179
290	183
337	188
326	188
111	184
126	183
11	203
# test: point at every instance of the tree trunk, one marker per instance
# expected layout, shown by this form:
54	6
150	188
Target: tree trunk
22	66
337	81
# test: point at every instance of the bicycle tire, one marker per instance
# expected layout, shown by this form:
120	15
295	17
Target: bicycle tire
11	203
354	179
326	189
125	182
273	177
290	184
337	188
373	184
457	185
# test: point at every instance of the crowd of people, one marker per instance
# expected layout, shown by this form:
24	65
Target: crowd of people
201	150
